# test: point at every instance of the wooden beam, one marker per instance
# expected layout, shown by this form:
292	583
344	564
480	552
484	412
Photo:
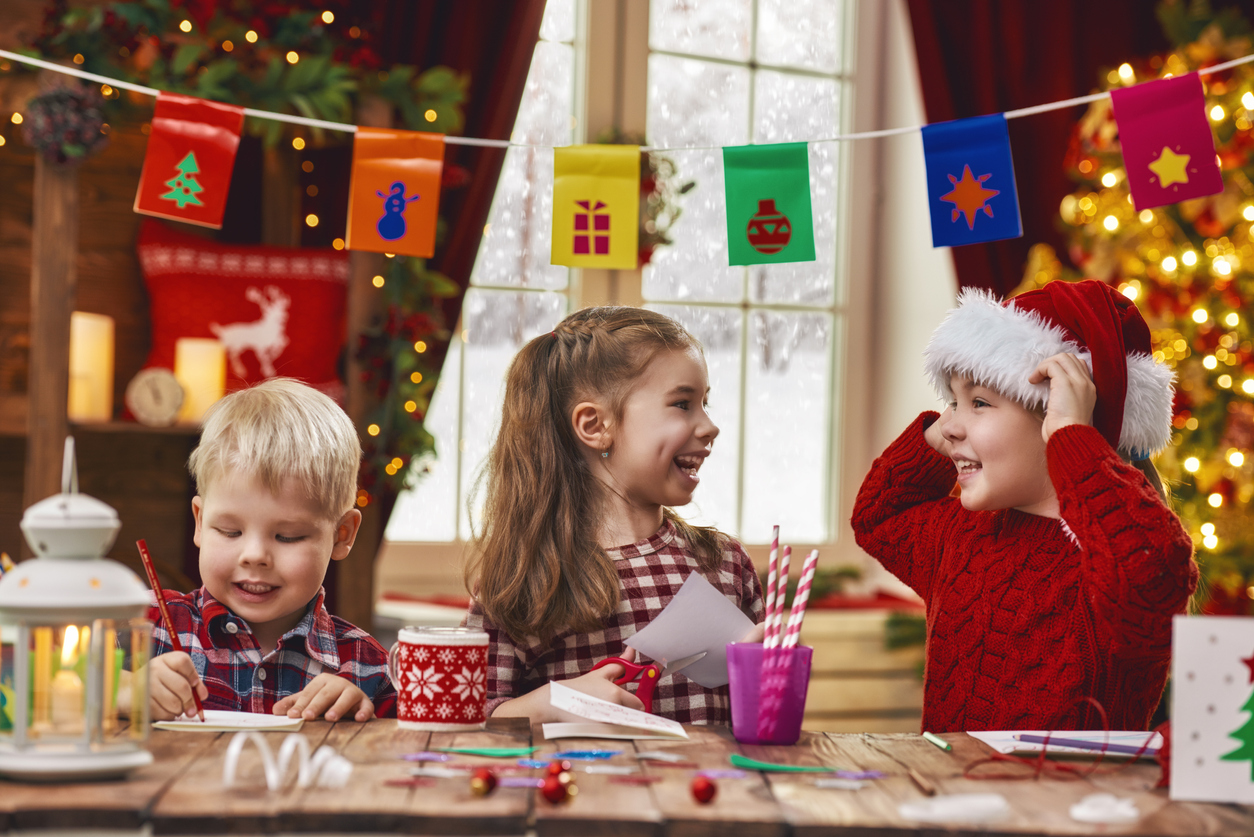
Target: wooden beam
53	278
280	199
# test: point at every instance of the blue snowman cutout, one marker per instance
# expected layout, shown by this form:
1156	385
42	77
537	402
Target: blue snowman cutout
392	225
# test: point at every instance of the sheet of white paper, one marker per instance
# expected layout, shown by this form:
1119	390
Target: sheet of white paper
591	730
604	712
698	618
1212	708
1004	741
220	720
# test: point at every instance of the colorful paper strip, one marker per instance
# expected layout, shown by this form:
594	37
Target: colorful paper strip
394	195
971	181
596	206
769	218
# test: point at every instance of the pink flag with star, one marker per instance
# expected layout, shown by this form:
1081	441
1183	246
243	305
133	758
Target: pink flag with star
1168	150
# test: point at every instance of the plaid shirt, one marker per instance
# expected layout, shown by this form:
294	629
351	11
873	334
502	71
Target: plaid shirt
229	661
650	573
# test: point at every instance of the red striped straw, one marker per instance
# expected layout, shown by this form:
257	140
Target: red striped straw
775	624
793	634
770	578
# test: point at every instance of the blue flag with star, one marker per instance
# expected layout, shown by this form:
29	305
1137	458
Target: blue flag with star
971	181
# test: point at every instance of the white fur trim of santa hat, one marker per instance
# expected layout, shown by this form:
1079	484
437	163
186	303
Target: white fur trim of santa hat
999	346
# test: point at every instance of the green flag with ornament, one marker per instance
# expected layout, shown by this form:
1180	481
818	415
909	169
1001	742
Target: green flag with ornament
769	219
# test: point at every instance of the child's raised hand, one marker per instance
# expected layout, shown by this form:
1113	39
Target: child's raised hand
934	435
1072	394
330	696
171	679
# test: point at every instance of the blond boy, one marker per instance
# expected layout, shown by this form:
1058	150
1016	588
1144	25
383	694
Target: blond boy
276	478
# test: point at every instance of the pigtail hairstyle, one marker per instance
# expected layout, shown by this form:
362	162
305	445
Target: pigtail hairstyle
536	567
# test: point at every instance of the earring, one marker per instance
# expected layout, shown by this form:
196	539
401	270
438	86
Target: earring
605	454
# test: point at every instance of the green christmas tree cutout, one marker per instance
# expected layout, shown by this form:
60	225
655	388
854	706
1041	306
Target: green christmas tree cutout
184	187
1245	732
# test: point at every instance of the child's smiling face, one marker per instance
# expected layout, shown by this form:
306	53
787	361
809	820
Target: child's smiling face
996	444
265	555
665	433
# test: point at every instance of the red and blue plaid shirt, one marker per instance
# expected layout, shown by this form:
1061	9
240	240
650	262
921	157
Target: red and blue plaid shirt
229	661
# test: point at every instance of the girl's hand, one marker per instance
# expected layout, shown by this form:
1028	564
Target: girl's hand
934	437
1072	394
171	680
600	683
330	696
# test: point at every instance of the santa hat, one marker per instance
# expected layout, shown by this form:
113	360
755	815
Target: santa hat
999	344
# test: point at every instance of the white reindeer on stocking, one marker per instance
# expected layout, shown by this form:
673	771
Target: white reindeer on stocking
267	337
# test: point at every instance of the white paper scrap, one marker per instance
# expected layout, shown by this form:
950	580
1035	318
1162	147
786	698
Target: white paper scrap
698	618
1007	741
592	708
221	720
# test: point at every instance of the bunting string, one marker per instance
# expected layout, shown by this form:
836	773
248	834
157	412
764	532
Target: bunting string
493	143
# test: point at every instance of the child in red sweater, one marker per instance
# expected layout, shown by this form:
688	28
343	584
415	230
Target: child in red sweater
1053	573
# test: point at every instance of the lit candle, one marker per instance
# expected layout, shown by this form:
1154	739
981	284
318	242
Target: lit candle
67	686
200	366
91	367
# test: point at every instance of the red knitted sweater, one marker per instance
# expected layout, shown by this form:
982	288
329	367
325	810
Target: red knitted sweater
1026	618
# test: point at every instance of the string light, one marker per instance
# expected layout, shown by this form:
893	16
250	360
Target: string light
328	17
416	377
1235	458
1208	528
1232	320
311	220
1200	315
292	56
397	462
1146	216
1130	291
298	143
1210	362
430	116
186	26
2	140
1217	113
1215	500
1221	266
1111	223
1126	73
1191	464
78	58
1189	258
373	430
1248	212
1224	381
410	406
377	281
227	46
1248	386
421	346
250	36
338	244
1109	179
16	119
1169	263
1247	100
1210	541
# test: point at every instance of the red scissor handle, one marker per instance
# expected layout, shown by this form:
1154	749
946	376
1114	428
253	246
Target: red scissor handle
649	674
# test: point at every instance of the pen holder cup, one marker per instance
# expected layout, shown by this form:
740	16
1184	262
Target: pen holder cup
768	692
440	675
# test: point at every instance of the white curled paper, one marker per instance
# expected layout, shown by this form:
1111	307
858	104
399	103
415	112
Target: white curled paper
325	768
958	807
1104	808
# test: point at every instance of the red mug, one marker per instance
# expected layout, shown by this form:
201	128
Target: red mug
440	675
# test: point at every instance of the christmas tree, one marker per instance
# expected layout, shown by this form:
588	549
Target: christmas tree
184	186
1190	269
1244	734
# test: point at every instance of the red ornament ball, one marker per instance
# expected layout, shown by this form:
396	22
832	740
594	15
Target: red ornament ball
556	768
482	781
703	789
555	790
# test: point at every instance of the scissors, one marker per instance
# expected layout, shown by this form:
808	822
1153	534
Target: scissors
649	674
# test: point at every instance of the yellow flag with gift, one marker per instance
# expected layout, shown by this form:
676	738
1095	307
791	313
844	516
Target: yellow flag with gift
596	206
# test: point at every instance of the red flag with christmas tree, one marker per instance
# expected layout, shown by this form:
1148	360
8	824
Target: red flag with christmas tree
191	152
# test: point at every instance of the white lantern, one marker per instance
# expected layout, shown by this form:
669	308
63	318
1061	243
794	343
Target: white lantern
78	706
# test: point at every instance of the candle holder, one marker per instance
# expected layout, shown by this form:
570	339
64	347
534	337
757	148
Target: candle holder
78	706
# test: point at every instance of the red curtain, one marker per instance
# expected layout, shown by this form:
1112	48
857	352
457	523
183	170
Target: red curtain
986	56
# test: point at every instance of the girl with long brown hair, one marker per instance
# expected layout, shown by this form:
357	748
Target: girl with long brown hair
603	430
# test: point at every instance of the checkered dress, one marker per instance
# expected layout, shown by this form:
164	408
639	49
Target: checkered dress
229	661
651	572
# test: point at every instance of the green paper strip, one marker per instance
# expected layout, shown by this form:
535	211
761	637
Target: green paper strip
747	763
767	194
490	752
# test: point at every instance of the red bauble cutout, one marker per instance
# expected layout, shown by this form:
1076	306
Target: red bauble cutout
769	229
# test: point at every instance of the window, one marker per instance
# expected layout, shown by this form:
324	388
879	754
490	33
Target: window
720	72
733	72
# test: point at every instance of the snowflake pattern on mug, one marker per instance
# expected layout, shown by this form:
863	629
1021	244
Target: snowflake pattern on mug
448	656
470	684
424	682
444	710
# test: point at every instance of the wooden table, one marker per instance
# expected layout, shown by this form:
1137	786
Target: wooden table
181	793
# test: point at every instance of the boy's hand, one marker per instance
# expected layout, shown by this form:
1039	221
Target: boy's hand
1072	394
330	696
756	635
934	435
171	680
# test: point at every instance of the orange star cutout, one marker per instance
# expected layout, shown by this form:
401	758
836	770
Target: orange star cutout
969	196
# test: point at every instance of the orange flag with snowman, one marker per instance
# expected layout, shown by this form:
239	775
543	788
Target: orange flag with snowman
394	196
596	206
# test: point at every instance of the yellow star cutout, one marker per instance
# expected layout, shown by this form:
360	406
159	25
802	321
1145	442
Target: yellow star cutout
1170	168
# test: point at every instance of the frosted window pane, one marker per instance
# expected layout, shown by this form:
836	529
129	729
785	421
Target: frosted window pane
787	426
515	249
800	33
717	28
428	511
558	23
718	329
694	103
790	108
496	324
695	266
545	110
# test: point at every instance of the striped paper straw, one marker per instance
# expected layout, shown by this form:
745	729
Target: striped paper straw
775	624
793	635
770	579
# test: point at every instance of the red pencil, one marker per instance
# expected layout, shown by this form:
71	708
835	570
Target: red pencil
165	614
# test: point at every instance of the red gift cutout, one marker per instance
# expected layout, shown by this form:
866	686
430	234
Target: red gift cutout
191	152
601	224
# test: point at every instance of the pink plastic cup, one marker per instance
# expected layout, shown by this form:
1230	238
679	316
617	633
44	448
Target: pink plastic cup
748	681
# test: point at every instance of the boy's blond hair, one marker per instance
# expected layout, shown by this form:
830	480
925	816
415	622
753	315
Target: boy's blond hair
278	430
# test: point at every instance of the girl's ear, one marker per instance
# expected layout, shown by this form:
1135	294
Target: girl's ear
591	424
